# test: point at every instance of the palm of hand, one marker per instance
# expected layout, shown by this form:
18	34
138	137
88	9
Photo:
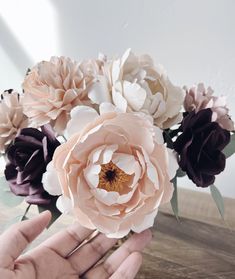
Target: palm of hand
44	263
60	257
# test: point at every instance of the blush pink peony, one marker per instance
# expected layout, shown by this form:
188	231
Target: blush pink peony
52	88
113	172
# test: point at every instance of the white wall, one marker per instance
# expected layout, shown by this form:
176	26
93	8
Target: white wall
194	40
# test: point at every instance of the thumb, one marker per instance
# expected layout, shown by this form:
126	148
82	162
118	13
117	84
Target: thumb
15	240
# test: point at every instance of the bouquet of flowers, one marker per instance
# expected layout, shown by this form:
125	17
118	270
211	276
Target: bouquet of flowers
106	139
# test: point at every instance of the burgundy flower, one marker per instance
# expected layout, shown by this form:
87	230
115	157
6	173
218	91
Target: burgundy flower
200	147
28	157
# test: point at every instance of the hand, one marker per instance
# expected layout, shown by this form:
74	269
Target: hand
60	257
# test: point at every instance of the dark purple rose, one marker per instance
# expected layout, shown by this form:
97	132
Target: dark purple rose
200	147
28	157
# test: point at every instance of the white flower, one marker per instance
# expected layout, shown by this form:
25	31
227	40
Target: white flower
133	83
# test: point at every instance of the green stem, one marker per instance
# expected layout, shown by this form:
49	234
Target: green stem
25	213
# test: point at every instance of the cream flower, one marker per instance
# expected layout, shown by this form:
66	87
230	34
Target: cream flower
113	172
11	117
52	89
133	83
198	98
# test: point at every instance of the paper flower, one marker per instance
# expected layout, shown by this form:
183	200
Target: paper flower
200	147
114	171
51	89
12	117
198	98
27	158
133	83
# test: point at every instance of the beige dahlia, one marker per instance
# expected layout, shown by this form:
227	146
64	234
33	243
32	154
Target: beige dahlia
51	89
113	172
12	118
134	83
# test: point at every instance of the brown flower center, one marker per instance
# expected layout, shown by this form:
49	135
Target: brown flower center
111	178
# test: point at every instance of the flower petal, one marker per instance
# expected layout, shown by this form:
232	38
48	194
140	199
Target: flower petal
118	99
99	92
134	94
64	204
125	162
80	117
108	107
144	222
50	181
91	174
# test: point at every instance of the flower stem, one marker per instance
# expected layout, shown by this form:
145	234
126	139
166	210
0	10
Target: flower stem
25	213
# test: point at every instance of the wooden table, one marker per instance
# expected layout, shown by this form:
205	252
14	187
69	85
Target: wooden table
201	246
190	249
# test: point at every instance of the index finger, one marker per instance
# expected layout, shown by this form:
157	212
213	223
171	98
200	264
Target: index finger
17	237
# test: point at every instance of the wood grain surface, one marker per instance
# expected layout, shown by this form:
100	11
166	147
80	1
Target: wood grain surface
189	249
200	246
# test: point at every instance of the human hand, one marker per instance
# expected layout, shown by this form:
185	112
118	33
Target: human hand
59	257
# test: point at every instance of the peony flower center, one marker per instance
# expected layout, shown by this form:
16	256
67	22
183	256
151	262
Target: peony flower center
112	178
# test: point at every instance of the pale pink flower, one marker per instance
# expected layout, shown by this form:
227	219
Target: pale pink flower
198	98
52	88
12	118
113	172
134	83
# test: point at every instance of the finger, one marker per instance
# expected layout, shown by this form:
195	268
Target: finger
136	242
63	243
129	268
90	253
15	240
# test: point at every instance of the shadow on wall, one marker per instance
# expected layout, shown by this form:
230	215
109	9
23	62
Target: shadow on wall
13	48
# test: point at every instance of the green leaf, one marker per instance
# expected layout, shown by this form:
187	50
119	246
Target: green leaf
174	199
219	201
229	150
6	196
52	208
180	173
